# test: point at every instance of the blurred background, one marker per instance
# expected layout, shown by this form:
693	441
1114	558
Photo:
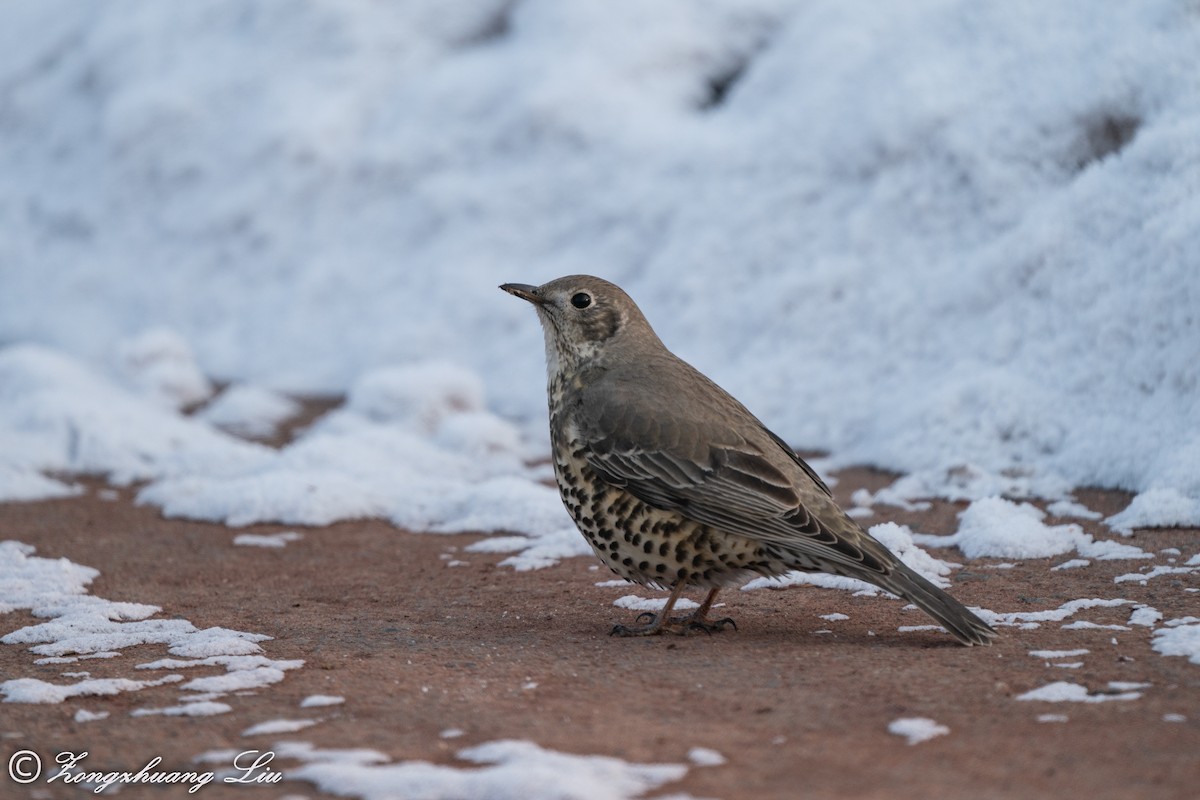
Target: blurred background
932	236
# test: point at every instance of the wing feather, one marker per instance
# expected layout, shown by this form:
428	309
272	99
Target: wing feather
742	479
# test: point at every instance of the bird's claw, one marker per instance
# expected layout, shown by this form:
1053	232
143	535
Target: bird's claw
637	630
681	626
710	627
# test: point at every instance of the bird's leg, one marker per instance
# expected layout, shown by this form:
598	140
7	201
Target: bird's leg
698	619
655	625
663	622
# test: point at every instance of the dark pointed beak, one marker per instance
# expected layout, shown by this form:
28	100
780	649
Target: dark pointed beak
525	292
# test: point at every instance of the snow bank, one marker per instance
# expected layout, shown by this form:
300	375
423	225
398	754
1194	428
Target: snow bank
413	445
250	411
58	414
939	237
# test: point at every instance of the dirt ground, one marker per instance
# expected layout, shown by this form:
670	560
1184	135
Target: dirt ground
417	646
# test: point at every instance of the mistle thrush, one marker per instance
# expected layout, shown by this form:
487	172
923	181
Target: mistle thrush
675	484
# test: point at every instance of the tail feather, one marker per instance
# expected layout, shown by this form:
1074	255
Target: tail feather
953	615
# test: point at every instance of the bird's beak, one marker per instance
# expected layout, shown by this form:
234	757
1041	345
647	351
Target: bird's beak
525	292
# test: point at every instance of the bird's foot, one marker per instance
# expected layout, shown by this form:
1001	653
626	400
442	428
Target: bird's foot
680	626
711	626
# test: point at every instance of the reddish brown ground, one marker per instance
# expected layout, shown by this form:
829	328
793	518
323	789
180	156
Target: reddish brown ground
416	647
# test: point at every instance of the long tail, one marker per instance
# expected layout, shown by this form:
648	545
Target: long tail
953	615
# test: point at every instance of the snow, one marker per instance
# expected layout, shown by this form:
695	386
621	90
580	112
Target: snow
834	617
411	444
83	715
954	218
303	751
1033	619
917	729
994	526
1145	616
81	625
240	680
1158	508
317	700
159	364
1066	692
932	237
19	483
279	726
1052	718
1070	508
705	757
1154	572
504	770
1126	686
33	690
1083	624
1178	640
59	414
270	540
205	708
250	411
1058	653
635	603
1071	563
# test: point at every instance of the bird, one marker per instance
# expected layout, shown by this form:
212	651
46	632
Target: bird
676	484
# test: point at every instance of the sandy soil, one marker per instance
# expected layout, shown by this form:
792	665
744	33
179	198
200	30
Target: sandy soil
417	646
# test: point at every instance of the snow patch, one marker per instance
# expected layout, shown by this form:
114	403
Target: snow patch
994	526
1033	619
1178	640
504	769
272	540
279	726
1158	508
83	715
917	729
705	757
1066	692
1058	653
635	603
80	625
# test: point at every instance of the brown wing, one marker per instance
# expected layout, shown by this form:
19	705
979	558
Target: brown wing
722	469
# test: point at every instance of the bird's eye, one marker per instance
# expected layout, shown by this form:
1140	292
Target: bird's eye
581	300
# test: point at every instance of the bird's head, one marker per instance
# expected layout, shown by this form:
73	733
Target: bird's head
584	319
